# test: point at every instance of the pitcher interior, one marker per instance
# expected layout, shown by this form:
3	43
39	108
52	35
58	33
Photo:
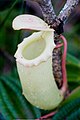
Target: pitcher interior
34	49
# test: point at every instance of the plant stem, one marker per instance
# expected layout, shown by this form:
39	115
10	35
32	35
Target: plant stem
64	86
67	9
47	116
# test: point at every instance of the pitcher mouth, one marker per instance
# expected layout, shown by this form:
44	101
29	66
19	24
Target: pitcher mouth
35	49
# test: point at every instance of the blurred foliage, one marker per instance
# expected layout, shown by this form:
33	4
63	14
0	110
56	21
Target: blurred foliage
69	111
5	4
13	105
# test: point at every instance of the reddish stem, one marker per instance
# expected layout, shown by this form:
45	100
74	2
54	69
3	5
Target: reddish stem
59	45
47	116
64	87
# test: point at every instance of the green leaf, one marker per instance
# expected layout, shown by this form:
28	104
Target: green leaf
73	95
73	76
73	60
37	112
67	110
7	101
16	82
3	108
1	117
75	115
73	85
12	103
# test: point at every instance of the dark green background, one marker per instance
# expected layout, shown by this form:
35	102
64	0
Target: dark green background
13	105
